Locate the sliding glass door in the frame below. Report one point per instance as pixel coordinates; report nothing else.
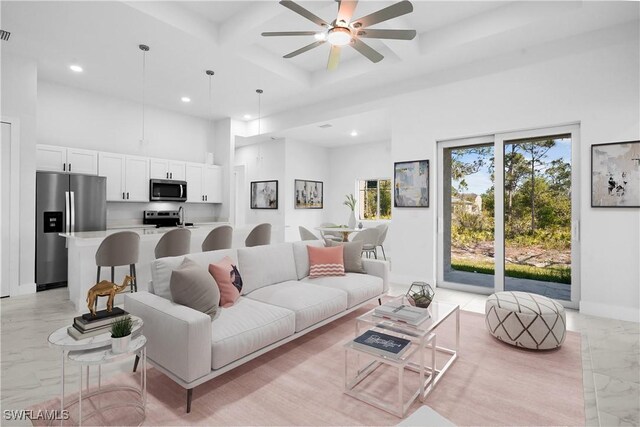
(508, 213)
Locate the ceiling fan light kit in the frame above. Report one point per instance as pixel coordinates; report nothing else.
(344, 31)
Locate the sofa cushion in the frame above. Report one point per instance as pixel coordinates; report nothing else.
(310, 303)
(161, 268)
(301, 256)
(228, 279)
(359, 287)
(352, 255)
(245, 327)
(326, 261)
(193, 286)
(266, 265)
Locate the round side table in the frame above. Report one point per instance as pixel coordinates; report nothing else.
(101, 356)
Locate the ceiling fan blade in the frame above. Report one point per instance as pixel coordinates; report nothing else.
(334, 58)
(390, 12)
(387, 34)
(346, 9)
(366, 50)
(303, 12)
(289, 33)
(304, 49)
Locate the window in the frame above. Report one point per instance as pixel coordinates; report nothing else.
(374, 196)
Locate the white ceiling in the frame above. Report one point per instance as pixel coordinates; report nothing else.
(186, 38)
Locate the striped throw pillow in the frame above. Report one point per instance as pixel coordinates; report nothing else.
(326, 261)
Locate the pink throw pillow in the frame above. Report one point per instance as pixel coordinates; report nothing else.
(326, 261)
(229, 282)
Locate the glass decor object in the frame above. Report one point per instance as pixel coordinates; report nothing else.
(420, 294)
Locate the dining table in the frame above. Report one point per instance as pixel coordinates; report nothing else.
(345, 231)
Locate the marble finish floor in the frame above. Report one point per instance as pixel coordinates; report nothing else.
(30, 370)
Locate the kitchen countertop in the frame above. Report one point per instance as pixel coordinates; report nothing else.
(145, 232)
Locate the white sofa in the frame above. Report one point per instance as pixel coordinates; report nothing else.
(278, 303)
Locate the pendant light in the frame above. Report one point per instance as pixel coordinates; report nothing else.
(144, 48)
(259, 92)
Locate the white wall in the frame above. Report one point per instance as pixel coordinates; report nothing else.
(308, 162)
(600, 89)
(19, 92)
(265, 162)
(76, 118)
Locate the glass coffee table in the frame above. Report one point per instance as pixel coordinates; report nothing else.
(420, 358)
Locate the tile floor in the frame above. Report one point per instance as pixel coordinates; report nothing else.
(30, 369)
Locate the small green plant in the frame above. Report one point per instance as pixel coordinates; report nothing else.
(350, 202)
(121, 327)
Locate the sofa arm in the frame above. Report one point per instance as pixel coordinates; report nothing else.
(379, 268)
(178, 337)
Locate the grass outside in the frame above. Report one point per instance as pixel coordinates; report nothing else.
(544, 274)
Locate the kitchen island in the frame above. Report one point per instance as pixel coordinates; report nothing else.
(83, 246)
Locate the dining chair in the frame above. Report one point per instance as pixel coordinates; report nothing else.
(369, 239)
(260, 235)
(382, 229)
(174, 243)
(331, 235)
(218, 238)
(305, 234)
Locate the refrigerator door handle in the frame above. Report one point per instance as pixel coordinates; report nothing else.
(66, 212)
(73, 210)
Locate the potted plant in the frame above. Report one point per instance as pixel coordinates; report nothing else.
(420, 294)
(350, 202)
(121, 334)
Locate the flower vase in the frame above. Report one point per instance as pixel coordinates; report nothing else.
(120, 345)
(352, 220)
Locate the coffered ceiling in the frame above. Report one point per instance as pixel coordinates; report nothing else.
(186, 38)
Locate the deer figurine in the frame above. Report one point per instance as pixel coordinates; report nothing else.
(105, 289)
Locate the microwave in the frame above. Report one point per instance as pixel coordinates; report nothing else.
(167, 190)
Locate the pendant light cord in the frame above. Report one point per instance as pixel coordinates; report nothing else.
(144, 49)
(259, 92)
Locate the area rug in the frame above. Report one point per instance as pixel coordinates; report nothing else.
(301, 383)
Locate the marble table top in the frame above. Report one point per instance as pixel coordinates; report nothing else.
(61, 340)
(99, 356)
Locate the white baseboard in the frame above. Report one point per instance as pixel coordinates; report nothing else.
(630, 314)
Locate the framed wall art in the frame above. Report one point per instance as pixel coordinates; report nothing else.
(411, 184)
(264, 195)
(615, 175)
(308, 194)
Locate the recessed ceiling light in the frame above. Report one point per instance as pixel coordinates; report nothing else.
(247, 116)
(75, 68)
(354, 133)
(185, 99)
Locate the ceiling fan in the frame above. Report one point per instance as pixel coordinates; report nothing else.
(347, 31)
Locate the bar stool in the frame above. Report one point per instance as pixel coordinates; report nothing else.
(218, 238)
(174, 243)
(119, 249)
(260, 235)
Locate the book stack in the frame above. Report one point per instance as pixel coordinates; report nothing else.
(402, 313)
(87, 326)
(382, 344)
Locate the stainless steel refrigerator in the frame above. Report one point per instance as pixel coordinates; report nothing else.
(65, 203)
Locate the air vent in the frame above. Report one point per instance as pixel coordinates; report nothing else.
(326, 125)
(4, 35)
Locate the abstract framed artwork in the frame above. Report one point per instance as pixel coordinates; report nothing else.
(615, 175)
(308, 194)
(411, 180)
(264, 195)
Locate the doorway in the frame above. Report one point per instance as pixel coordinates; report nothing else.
(508, 213)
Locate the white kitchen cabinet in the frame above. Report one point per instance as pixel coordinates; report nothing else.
(212, 184)
(193, 176)
(52, 158)
(166, 169)
(204, 183)
(127, 177)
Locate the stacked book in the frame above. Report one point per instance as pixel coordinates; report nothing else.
(87, 325)
(402, 313)
(382, 344)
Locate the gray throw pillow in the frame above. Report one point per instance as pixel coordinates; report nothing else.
(193, 286)
(352, 256)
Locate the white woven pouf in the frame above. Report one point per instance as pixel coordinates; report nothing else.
(526, 320)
